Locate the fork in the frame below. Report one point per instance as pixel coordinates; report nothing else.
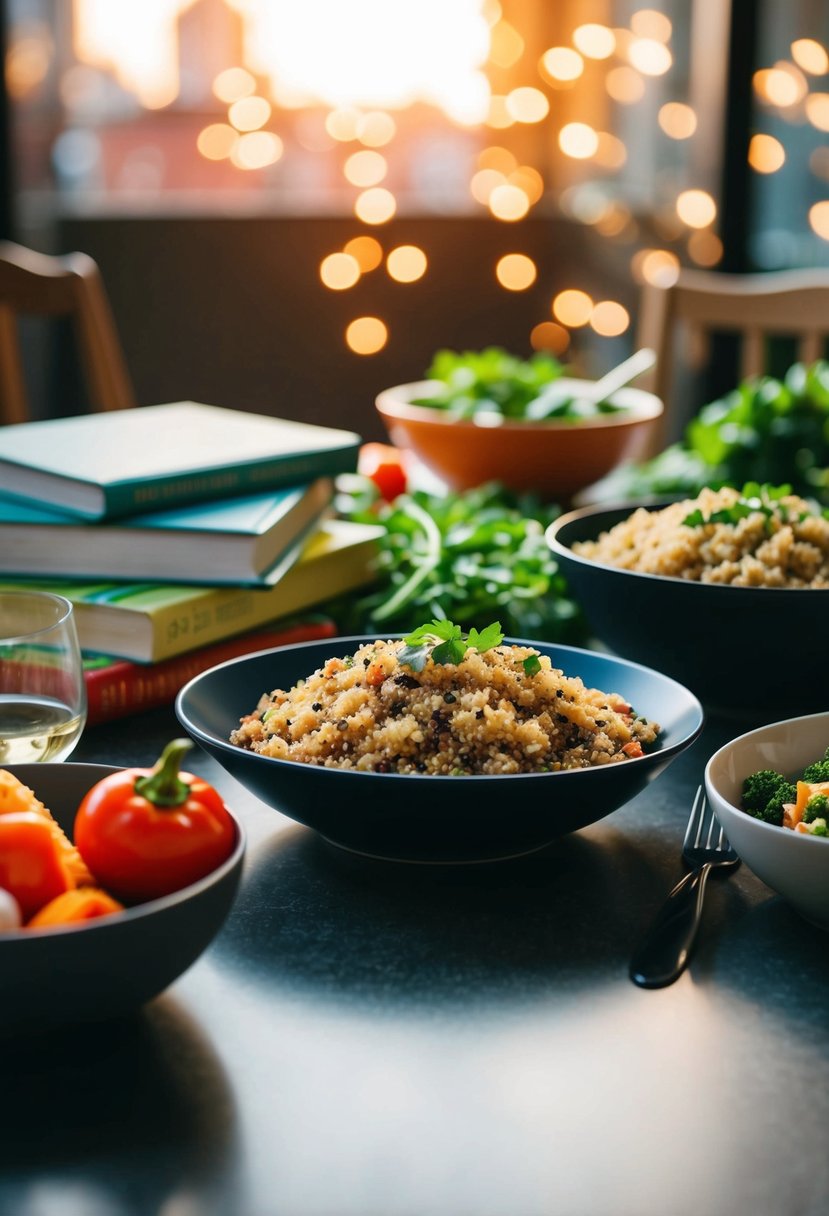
(664, 952)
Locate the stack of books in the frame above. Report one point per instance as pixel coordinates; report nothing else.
(184, 534)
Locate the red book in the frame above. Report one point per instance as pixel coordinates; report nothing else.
(116, 688)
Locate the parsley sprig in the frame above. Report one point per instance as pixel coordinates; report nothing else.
(446, 643)
(754, 499)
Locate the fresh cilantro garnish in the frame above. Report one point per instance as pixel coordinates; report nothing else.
(446, 643)
(754, 498)
(531, 665)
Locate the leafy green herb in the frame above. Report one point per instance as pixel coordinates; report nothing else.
(754, 499)
(465, 557)
(446, 643)
(490, 381)
(767, 430)
(532, 665)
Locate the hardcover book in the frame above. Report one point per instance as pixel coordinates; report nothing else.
(116, 688)
(234, 540)
(148, 622)
(100, 466)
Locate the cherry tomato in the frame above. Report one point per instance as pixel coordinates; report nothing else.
(147, 832)
(385, 465)
(31, 867)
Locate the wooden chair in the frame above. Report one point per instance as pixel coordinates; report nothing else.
(37, 284)
(756, 307)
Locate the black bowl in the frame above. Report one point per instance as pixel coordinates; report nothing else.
(431, 818)
(112, 965)
(745, 651)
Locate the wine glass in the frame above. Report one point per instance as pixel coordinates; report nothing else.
(42, 690)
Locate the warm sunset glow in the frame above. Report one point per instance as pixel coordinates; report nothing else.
(817, 110)
(677, 120)
(249, 113)
(375, 206)
(527, 105)
(233, 84)
(561, 64)
(609, 319)
(810, 56)
(696, 208)
(578, 140)
(366, 335)
(625, 85)
(508, 203)
(406, 264)
(366, 251)
(648, 23)
(141, 53)
(256, 150)
(650, 57)
(339, 271)
(594, 41)
(549, 336)
(516, 271)
(766, 154)
(217, 141)
(572, 308)
(365, 168)
(819, 219)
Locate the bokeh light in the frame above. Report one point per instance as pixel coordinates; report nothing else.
(766, 154)
(648, 23)
(366, 335)
(498, 116)
(594, 41)
(256, 150)
(376, 129)
(572, 308)
(657, 266)
(561, 65)
(817, 110)
(705, 248)
(783, 85)
(217, 141)
(609, 318)
(516, 271)
(810, 56)
(528, 179)
(611, 152)
(650, 57)
(233, 84)
(339, 271)
(482, 183)
(578, 140)
(625, 85)
(506, 46)
(550, 337)
(527, 104)
(365, 168)
(375, 206)
(509, 203)
(406, 263)
(366, 251)
(677, 120)
(819, 218)
(696, 208)
(500, 159)
(249, 113)
(343, 124)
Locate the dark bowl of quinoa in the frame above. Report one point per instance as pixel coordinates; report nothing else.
(429, 817)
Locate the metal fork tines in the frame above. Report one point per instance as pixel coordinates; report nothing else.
(665, 951)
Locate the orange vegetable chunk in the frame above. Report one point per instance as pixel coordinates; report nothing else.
(86, 903)
(32, 867)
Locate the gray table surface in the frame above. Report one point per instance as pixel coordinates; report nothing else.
(371, 1039)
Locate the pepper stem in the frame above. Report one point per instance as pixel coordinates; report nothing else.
(163, 786)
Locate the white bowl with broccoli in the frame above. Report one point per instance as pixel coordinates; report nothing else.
(770, 790)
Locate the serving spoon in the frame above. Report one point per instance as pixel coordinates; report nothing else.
(591, 393)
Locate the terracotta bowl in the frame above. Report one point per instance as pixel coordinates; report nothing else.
(554, 459)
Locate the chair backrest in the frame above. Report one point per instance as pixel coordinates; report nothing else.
(756, 307)
(37, 284)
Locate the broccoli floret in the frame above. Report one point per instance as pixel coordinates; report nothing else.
(816, 808)
(772, 812)
(819, 771)
(819, 828)
(759, 787)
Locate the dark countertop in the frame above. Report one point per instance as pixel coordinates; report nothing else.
(372, 1039)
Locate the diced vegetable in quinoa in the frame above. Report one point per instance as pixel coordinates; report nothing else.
(801, 805)
(439, 702)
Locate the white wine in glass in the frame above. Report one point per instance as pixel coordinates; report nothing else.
(42, 691)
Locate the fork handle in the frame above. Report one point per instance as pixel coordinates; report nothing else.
(664, 953)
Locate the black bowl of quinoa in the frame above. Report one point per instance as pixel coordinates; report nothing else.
(489, 758)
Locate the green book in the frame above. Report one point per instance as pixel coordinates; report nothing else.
(101, 466)
(148, 622)
(233, 540)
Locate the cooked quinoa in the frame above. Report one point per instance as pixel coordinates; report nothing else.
(483, 715)
(787, 548)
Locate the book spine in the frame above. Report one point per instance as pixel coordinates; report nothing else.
(123, 688)
(128, 497)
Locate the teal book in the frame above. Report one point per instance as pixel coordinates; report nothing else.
(235, 540)
(149, 622)
(102, 466)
